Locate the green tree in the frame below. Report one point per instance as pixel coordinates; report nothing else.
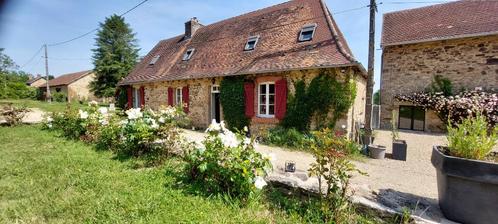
(115, 55)
(6, 63)
(377, 97)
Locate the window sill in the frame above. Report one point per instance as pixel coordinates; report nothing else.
(266, 116)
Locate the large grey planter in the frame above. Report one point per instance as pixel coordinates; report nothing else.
(467, 189)
(377, 151)
(399, 150)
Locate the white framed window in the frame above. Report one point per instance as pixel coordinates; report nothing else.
(215, 89)
(266, 99)
(154, 59)
(178, 96)
(136, 98)
(307, 32)
(188, 54)
(251, 43)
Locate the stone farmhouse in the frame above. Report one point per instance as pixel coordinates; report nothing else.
(74, 85)
(271, 47)
(37, 81)
(456, 40)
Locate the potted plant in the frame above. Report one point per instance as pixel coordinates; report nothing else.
(399, 146)
(377, 151)
(467, 172)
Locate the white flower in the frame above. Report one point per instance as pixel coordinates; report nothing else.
(103, 122)
(159, 141)
(229, 139)
(259, 182)
(246, 129)
(201, 149)
(161, 120)
(154, 125)
(103, 110)
(93, 103)
(271, 156)
(123, 122)
(83, 114)
(213, 126)
(49, 125)
(134, 113)
(49, 119)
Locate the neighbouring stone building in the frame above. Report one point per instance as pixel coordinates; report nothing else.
(456, 40)
(37, 81)
(74, 85)
(272, 48)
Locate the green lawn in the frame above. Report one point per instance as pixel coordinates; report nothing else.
(43, 105)
(45, 179)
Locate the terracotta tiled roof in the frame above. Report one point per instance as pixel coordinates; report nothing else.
(219, 47)
(67, 79)
(30, 81)
(443, 21)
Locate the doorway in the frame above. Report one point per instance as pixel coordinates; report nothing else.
(215, 103)
(411, 118)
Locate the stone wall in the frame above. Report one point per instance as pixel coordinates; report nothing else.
(467, 62)
(156, 95)
(80, 89)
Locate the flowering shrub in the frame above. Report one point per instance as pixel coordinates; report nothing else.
(333, 170)
(459, 107)
(228, 163)
(140, 133)
(470, 139)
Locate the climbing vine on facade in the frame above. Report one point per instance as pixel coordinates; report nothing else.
(232, 101)
(323, 95)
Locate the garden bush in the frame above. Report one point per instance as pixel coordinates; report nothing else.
(232, 101)
(472, 139)
(146, 134)
(291, 138)
(227, 163)
(334, 171)
(59, 97)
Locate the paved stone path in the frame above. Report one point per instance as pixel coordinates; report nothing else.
(394, 184)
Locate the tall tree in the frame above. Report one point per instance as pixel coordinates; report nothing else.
(115, 55)
(6, 63)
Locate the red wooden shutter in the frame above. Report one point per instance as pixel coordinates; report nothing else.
(249, 98)
(129, 94)
(280, 98)
(170, 96)
(142, 96)
(185, 98)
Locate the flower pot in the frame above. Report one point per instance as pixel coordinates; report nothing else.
(377, 151)
(399, 150)
(467, 189)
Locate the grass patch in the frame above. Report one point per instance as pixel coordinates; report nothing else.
(43, 105)
(46, 179)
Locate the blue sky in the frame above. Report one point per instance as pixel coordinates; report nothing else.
(26, 24)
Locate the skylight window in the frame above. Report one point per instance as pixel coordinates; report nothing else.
(307, 32)
(188, 54)
(251, 43)
(154, 59)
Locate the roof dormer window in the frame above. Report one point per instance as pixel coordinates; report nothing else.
(154, 59)
(307, 32)
(188, 54)
(251, 43)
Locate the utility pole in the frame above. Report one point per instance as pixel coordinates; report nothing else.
(47, 95)
(370, 73)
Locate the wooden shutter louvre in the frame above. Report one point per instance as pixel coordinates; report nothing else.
(129, 94)
(170, 96)
(142, 96)
(249, 99)
(280, 98)
(185, 98)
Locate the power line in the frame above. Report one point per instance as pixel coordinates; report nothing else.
(32, 57)
(93, 30)
(416, 2)
(69, 59)
(350, 10)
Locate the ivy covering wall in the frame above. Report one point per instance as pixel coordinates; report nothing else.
(232, 101)
(324, 94)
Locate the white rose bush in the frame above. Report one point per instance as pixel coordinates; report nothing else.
(227, 162)
(134, 133)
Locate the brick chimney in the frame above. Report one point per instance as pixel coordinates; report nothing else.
(191, 26)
